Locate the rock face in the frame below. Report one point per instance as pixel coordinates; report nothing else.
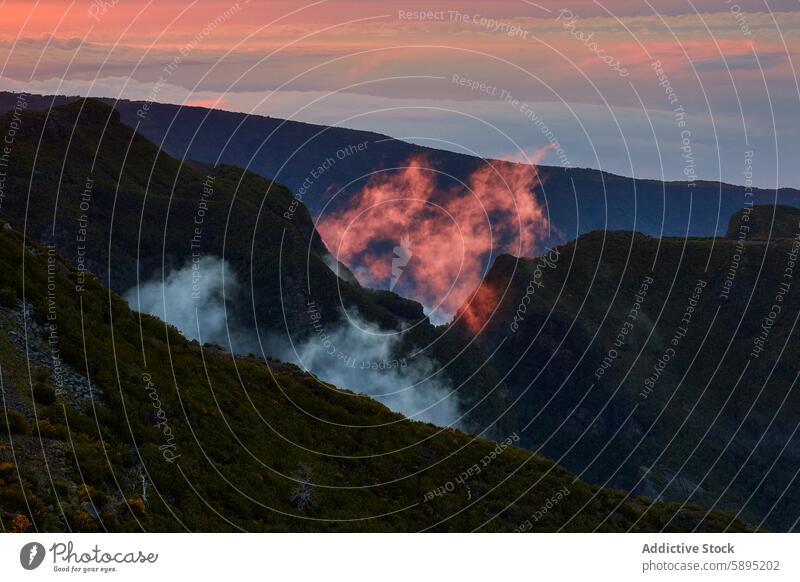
(39, 346)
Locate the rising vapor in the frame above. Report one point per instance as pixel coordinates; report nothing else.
(193, 300)
(364, 358)
(355, 355)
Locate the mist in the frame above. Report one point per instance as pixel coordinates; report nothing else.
(193, 300)
(364, 358)
(347, 352)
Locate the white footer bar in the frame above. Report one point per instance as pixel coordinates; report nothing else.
(389, 557)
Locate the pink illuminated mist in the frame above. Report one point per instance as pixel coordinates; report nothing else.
(450, 232)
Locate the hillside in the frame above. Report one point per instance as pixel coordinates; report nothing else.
(116, 206)
(764, 223)
(660, 366)
(290, 152)
(114, 422)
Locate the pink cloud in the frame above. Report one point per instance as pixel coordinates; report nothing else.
(452, 232)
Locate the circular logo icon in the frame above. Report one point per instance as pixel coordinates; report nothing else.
(31, 555)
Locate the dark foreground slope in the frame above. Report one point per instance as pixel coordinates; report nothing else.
(290, 151)
(131, 427)
(666, 367)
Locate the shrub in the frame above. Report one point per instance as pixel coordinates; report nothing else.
(8, 298)
(12, 498)
(12, 421)
(91, 459)
(44, 394)
(99, 498)
(85, 492)
(137, 506)
(48, 430)
(83, 521)
(20, 524)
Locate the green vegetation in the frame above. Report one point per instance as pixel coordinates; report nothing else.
(253, 445)
(13, 422)
(686, 397)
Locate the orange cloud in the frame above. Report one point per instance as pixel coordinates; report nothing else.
(452, 231)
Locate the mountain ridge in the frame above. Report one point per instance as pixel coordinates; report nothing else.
(289, 151)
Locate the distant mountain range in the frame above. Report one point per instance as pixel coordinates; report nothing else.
(577, 200)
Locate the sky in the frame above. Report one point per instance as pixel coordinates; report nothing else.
(625, 86)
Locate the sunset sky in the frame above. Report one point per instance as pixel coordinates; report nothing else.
(499, 79)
